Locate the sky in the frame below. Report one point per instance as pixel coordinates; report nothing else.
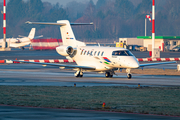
(64, 2)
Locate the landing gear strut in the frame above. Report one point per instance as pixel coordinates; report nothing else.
(78, 74)
(22, 48)
(129, 76)
(109, 74)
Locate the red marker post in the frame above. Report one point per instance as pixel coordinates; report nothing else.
(104, 104)
(153, 28)
(4, 25)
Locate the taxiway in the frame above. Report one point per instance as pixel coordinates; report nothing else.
(37, 75)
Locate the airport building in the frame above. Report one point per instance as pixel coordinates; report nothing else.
(164, 43)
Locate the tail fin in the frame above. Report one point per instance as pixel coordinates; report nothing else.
(67, 34)
(32, 33)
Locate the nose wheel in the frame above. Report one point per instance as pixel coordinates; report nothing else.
(129, 76)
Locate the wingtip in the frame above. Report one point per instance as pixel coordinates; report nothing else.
(28, 22)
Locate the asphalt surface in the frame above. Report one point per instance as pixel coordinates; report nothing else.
(30, 74)
(29, 113)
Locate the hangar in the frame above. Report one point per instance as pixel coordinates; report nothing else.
(164, 43)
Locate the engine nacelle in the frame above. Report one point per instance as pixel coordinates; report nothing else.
(66, 51)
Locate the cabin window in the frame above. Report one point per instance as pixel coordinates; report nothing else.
(91, 53)
(122, 53)
(88, 53)
(81, 52)
(85, 52)
(95, 53)
(98, 53)
(102, 53)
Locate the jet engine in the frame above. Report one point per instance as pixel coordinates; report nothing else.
(66, 51)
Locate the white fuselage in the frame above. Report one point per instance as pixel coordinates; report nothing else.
(17, 42)
(105, 58)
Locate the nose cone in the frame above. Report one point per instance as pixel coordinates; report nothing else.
(132, 63)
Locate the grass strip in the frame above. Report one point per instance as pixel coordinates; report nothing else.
(147, 100)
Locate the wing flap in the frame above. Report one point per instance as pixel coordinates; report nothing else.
(59, 65)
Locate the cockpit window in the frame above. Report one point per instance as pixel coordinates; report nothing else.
(122, 53)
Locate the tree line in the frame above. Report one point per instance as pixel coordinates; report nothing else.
(112, 18)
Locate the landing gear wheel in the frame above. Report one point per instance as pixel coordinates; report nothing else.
(22, 48)
(81, 74)
(129, 76)
(107, 74)
(78, 74)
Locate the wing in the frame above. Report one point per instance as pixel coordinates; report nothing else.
(159, 63)
(59, 65)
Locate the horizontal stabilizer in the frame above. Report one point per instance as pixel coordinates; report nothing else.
(61, 24)
(45, 23)
(38, 36)
(21, 36)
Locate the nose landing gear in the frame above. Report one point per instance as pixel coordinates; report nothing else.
(129, 76)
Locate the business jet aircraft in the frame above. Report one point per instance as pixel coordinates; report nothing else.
(92, 58)
(20, 42)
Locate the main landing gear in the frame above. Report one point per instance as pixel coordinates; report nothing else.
(129, 76)
(109, 74)
(78, 74)
(22, 48)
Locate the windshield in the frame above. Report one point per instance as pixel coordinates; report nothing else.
(122, 53)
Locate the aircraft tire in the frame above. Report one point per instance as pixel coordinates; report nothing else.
(129, 76)
(22, 48)
(78, 75)
(107, 74)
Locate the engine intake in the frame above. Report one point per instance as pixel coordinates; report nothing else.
(66, 51)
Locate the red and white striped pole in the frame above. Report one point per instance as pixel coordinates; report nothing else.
(153, 28)
(4, 25)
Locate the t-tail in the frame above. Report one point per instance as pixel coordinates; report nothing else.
(67, 34)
